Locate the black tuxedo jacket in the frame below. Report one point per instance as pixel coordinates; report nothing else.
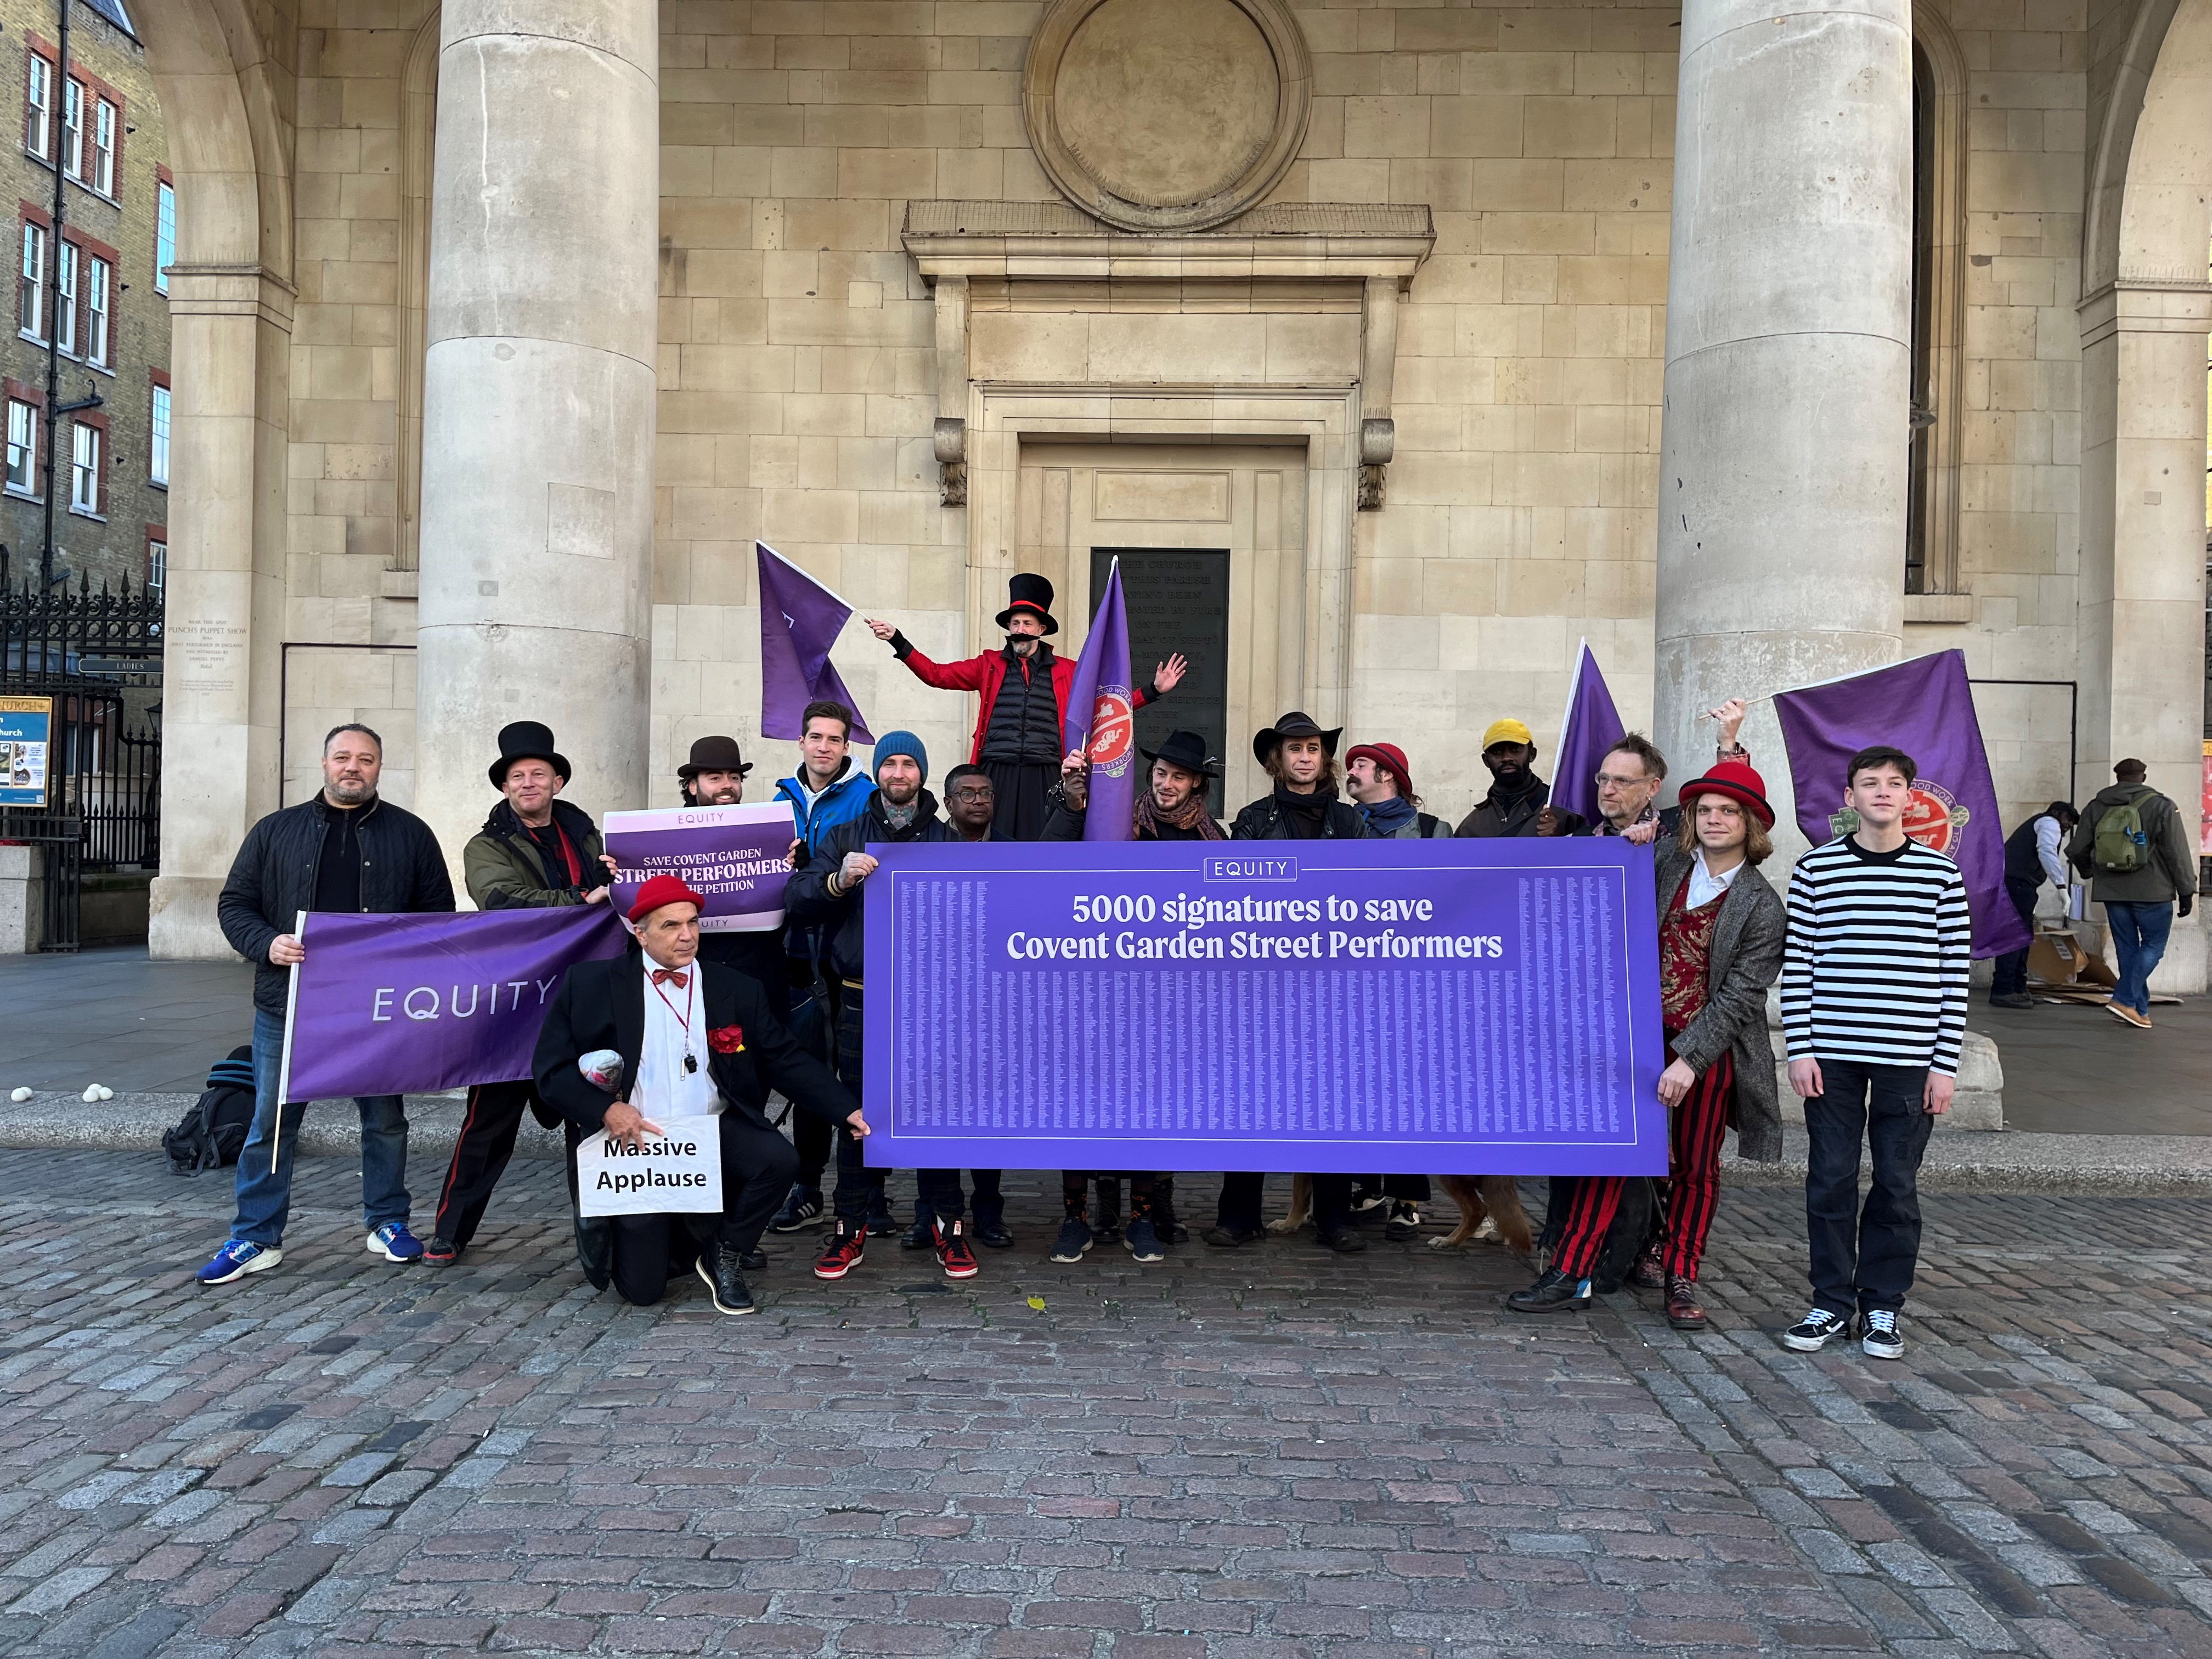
(601, 1005)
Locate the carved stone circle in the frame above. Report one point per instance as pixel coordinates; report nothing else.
(1167, 115)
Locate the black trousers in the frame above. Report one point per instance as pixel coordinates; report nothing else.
(757, 1164)
(1020, 789)
(481, 1152)
(937, 1191)
(1863, 1258)
(813, 1019)
(1241, 1191)
(857, 1186)
(2010, 976)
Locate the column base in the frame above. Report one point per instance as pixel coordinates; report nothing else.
(180, 923)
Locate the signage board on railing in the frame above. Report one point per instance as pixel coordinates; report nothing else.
(26, 738)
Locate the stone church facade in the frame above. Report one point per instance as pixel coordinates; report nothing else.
(1396, 348)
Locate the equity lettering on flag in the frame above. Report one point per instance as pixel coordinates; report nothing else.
(1102, 718)
(1588, 731)
(801, 620)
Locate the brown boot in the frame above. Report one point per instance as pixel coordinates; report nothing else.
(1647, 1274)
(1683, 1312)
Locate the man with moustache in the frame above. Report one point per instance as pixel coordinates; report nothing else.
(535, 852)
(696, 1041)
(1023, 688)
(1519, 802)
(1381, 782)
(715, 776)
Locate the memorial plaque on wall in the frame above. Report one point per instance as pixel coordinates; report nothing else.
(1178, 600)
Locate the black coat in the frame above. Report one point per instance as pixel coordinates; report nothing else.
(844, 916)
(601, 1005)
(272, 879)
(1497, 815)
(1066, 824)
(1265, 820)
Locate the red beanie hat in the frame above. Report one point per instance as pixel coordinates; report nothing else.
(662, 890)
(1390, 757)
(1735, 779)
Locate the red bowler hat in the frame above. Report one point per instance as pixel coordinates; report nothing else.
(1735, 779)
(663, 889)
(1390, 758)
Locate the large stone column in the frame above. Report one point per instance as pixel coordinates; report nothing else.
(537, 418)
(1783, 470)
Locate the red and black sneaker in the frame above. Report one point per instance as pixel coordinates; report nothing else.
(441, 1252)
(954, 1253)
(842, 1254)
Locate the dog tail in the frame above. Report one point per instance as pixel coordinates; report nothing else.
(1501, 1196)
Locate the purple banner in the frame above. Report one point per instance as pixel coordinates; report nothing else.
(1925, 707)
(801, 620)
(1443, 1007)
(415, 1003)
(1102, 718)
(1588, 731)
(735, 858)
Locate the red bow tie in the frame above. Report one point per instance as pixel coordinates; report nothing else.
(662, 975)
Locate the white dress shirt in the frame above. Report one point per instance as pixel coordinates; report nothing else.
(2048, 834)
(665, 1090)
(1705, 885)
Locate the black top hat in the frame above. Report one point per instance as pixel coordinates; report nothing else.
(1187, 751)
(713, 755)
(1295, 724)
(526, 740)
(1031, 593)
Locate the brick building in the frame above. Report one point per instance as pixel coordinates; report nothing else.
(101, 292)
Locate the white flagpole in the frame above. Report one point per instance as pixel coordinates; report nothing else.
(1574, 691)
(284, 1069)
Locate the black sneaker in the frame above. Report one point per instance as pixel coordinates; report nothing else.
(1234, 1238)
(441, 1252)
(595, 1249)
(753, 1262)
(1815, 1331)
(1368, 1206)
(1170, 1231)
(1879, 1338)
(1344, 1240)
(802, 1209)
(1404, 1222)
(1142, 1242)
(1552, 1292)
(1075, 1239)
(2011, 999)
(719, 1269)
(881, 1223)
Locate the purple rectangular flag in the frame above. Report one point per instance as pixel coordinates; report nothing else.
(799, 622)
(414, 1004)
(1102, 718)
(735, 858)
(1925, 707)
(1588, 731)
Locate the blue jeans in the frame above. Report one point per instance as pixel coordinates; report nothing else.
(2139, 935)
(265, 1198)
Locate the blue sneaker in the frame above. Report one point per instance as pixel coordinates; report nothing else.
(395, 1243)
(237, 1258)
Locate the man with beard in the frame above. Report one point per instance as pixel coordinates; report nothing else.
(1518, 803)
(535, 852)
(1023, 688)
(1172, 807)
(1380, 780)
(832, 891)
(715, 776)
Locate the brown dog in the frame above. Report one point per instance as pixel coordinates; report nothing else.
(1496, 1199)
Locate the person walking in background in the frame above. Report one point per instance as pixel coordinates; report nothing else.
(2133, 844)
(346, 851)
(2034, 853)
(1874, 1004)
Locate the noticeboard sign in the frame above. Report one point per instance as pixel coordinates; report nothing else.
(26, 739)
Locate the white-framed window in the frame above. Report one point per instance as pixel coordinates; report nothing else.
(157, 567)
(39, 108)
(73, 127)
(103, 148)
(96, 331)
(23, 447)
(165, 234)
(157, 451)
(84, 468)
(65, 299)
(31, 312)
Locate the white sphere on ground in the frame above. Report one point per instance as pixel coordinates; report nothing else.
(105, 1093)
(20, 1096)
(92, 1094)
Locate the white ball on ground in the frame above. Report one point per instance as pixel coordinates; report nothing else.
(92, 1094)
(105, 1093)
(20, 1096)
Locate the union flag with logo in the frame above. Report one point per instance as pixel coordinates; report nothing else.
(1102, 718)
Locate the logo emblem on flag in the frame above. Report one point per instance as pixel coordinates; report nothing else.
(1113, 731)
(1933, 816)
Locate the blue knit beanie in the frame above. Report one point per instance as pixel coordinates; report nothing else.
(900, 743)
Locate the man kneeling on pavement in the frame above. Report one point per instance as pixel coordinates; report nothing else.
(695, 1040)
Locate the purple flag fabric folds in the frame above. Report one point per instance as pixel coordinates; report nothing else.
(1102, 718)
(1925, 707)
(1588, 731)
(799, 622)
(399, 1004)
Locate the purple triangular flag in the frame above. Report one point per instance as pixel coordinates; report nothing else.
(799, 622)
(1588, 732)
(1102, 718)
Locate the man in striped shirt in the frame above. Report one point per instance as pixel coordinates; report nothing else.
(1873, 1005)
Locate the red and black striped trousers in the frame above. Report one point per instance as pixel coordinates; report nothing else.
(1694, 1131)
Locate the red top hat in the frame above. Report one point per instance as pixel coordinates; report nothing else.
(1735, 779)
(659, 890)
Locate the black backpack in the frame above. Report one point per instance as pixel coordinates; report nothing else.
(214, 1131)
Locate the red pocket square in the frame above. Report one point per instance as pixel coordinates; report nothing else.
(726, 1039)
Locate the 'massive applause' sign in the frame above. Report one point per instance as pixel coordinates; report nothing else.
(1440, 1006)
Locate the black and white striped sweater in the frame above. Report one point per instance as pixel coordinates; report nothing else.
(1880, 948)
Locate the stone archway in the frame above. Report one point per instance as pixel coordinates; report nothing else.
(226, 91)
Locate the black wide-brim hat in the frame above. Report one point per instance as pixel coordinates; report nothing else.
(1187, 751)
(526, 740)
(1032, 594)
(716, 753)
(1295, 724)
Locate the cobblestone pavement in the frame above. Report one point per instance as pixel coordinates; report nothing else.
(1256, 1455)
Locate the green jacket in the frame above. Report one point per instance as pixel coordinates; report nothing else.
(2172, 872)
(504, 871)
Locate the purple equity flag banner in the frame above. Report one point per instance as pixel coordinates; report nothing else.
(735, 858)
(414, 1004)
(1925, 707)
(1588, 731)
(799, 622)
(1441, 1007)
(1102, 718)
